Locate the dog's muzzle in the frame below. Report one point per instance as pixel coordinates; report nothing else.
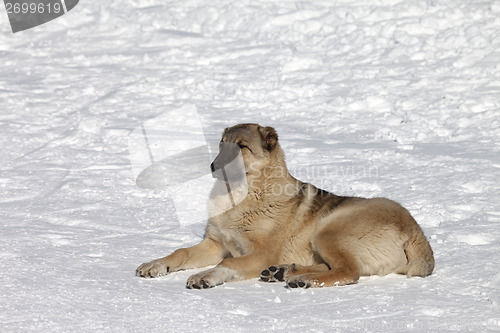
(228, 166)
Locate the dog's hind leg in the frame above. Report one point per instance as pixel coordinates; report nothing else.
(343, 271)
(343, 267)
(323, 279)
(280, 273)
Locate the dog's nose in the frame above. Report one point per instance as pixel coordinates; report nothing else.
(216, 170)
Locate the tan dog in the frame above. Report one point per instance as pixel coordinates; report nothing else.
(287, 230)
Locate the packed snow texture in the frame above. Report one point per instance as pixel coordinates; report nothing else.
(393, 98)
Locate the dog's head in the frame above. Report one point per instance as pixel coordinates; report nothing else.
(255, 146)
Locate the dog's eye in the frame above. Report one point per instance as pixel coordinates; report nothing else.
(242, 146)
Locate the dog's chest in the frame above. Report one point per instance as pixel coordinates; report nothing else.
(239, 233)
(234, 242)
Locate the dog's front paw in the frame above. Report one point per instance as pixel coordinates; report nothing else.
(276, 273)
(203, 280)
(198, 283)
(153, 269)
(212, 277)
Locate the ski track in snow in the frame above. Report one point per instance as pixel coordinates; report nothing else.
(371, 98)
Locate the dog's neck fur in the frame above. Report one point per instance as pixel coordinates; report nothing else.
(274, 180)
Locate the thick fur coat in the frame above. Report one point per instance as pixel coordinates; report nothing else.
(291, 231)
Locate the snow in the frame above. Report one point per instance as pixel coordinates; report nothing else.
(392, 98)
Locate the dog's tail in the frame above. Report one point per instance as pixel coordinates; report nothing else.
(419, 254)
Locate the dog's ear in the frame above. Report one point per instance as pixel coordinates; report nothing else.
(269, 137)
(224, 132)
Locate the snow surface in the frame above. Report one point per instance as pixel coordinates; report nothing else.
(395, 98)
